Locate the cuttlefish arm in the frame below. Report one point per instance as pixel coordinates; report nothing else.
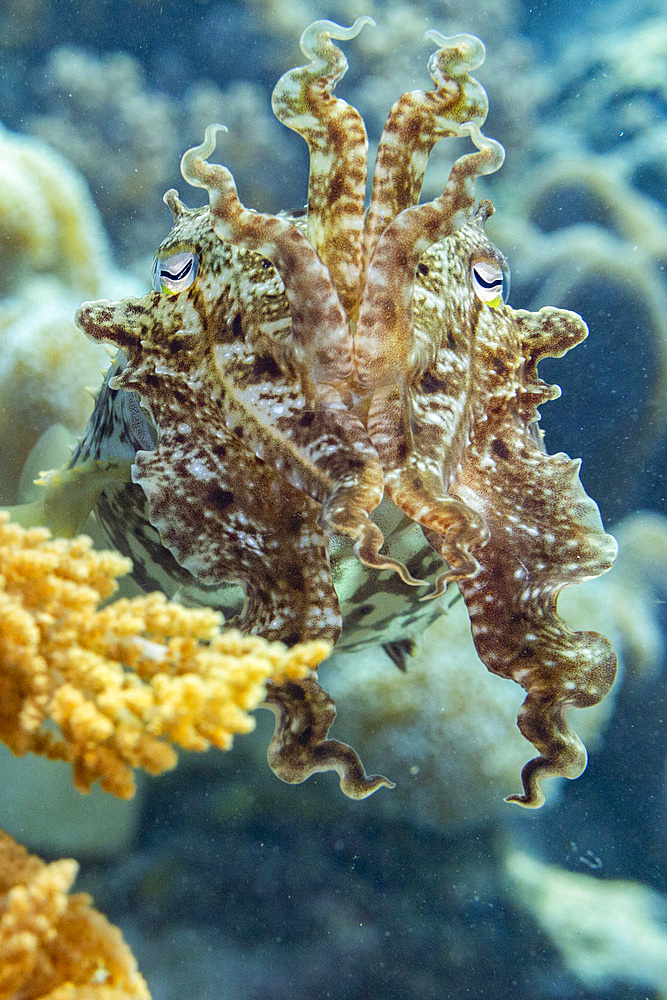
(545, 533)
(226, 515)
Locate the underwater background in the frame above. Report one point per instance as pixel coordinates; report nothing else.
(226, 883)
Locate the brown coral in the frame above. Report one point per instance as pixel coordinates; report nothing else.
(124, 682)
(54, 946)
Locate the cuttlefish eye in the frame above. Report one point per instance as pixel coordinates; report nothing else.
(174, 273)
(490, 282)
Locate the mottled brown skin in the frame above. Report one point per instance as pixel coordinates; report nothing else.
(299, 747)
(312, 367)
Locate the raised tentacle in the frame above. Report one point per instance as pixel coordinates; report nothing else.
(303, 101)
(416, 468)
(322, 450)
(175, 205)
(385, 328)
(417, 121)
(299, 746)
(349, 487)
(321, 332)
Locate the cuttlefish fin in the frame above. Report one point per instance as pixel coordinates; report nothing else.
(67, 496)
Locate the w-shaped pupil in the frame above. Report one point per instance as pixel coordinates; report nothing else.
(177, 275)
(495, 283)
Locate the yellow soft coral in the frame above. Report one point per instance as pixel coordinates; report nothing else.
(54, 946)
(110, 689)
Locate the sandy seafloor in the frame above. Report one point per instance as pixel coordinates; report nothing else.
(235, 887)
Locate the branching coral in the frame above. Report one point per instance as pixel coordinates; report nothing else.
(54, 946)
(53, 250)
(124, 682)
(126, 137)
(48, 222)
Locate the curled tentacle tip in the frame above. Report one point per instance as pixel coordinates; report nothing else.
(484, 211)
(431, 596)
(534, 771)
(205, 148)
(332, 30)
(533, 801)
(370, 557)
(210, 133)
(193, 159)
(494, 151)
(356, 28)
(359, 787)
(173, 202)
(471, 49)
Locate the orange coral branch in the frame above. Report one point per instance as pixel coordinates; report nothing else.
(125, 682)
(54, 946)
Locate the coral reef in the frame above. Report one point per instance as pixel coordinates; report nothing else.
(582, 235)
(48, 222)
(124, 682)
(584, 220)
(54, 946)
(44, 372)
(582, 224)
(126, 138)
(53, 251)
(636, 590)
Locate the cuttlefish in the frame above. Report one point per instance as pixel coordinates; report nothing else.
(326, 423)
